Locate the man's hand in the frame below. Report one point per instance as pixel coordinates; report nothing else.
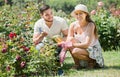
(44, 34)
(39, 37)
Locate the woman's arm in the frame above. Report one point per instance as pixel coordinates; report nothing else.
(70, 32)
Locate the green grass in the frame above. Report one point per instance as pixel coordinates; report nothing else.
(111, 69)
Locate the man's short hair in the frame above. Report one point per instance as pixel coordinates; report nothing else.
(43, 8)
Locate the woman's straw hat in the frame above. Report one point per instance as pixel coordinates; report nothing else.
(80, 7)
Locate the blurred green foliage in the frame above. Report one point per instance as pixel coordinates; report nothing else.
(21, 22)
(65, 5)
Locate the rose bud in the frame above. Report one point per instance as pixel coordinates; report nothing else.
(22, 64)
(18, 57)
(117, 12)
(26, 49)
(100, 4)
(8, 68)
(93, 12)
(23, 46)
(4, 50)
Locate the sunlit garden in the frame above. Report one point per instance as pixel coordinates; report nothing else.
(18, 56)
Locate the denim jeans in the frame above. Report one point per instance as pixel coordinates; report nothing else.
(38, 46)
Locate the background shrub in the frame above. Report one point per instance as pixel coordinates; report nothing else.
(108, 29)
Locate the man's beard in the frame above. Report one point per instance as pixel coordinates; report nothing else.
(48, 20)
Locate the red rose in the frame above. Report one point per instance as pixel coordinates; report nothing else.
(12, 35)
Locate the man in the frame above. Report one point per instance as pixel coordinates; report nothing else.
(48, 26)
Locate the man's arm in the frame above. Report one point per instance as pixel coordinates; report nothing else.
(38, 37)
(64, 29)
(65, 33)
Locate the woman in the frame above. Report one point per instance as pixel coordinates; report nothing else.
(83, 34)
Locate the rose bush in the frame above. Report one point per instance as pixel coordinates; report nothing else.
(18, 55)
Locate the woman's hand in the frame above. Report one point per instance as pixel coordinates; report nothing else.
(66, 44)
